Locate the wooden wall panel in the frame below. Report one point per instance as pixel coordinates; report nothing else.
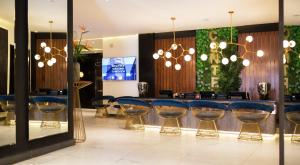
(261, 69)
(169, 78)
(54, 77)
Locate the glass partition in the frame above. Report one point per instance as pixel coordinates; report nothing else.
(7, 52)
(47, 68)
(291, 59)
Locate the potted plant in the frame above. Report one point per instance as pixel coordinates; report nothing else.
(78, 48)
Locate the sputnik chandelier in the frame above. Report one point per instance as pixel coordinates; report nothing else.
(288, 47)
(50, 53)
(167, 56)
(218, 47)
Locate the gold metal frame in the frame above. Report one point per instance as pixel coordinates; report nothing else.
(170, 125)
(250, 129)
(101, 112)
(207, 127)
(50, 119)
(10, 118)
(295, 136)
(134, 121)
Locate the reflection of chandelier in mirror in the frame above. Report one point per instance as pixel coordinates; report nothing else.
(288, 47)
(167, 55)
(218, 47)
(50, 53)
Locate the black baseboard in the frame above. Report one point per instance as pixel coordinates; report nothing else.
(36, 152)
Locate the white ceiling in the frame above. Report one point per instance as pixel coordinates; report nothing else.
(123, 17)
(106, 18)
(39, 14)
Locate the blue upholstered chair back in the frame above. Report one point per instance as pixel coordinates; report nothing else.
(250, 105)
(172, 103)
(132, 101)
(292, 108)
(49, 99)
(124, 97)
(207, 104)
(7, 98)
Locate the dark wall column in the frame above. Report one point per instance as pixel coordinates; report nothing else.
(146, 62)
(3, 60)
(21, 74)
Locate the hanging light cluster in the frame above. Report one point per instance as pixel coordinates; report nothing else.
(50, 53)
(288, 47)
(218, 47)
(186, 54)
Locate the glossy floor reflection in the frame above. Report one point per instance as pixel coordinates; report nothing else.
(7, 133)
(108, 144)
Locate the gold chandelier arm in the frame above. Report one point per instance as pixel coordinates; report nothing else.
(231, 14)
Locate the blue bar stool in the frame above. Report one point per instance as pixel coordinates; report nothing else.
(250, 114)
(50, 107)
(134, 110)
(207, 112)
(7, 103)
(101, 105)
(170, 111)
(292, 113)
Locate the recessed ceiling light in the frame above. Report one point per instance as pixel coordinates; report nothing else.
(296, 15)
(205, 19)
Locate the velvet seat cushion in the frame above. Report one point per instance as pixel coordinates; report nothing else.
(208, 115)
(51, 108)
(207, 104)
(252, 118)
(170, 114)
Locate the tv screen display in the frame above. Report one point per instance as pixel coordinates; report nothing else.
(119, 68)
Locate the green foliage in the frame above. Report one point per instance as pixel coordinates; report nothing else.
(228, 75)
(203, 68)
(293, 71)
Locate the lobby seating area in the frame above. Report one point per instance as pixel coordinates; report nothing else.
(139, 82)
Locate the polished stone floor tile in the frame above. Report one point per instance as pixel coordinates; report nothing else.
(109, 144)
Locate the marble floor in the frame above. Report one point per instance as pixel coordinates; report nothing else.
(108, 144)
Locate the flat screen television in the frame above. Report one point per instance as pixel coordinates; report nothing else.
(119, 68)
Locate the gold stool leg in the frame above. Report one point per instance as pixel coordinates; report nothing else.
(250, 131)
(10, 118)
(207, 128)
(295, 138)
(101, 112)
(134, 122)
(170, 126)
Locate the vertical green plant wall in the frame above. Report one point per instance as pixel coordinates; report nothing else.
(293, 71)
(228, 75)
(203, 68)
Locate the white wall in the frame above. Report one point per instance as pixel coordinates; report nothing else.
(121, 47)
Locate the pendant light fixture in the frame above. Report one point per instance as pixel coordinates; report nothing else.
(50, 53)
(169, 57)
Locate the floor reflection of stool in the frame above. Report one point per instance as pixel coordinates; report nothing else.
(135, 110)
(171, 112)
(207, 112)
(292, 113)
(7, 103)
(250, 114)
(50, 107)
(101, 105)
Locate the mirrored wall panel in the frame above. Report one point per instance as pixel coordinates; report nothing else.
(291, 59)
(7, 54)
(47, 67)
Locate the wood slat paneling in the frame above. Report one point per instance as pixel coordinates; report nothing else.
(54, 77)
(261, 69)
(168, 78)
